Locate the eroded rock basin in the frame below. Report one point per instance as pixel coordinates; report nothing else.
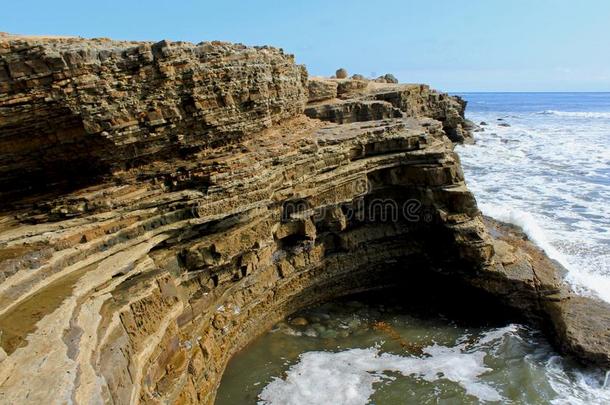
(225, 190)
(381, 348)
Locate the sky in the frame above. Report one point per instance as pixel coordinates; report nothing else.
(456, 46)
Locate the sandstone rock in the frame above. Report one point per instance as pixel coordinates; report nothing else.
(582, 327)
(320, 89)
(341, 73)
(300, 321)
(578, 325)
(343, 112)
(75, 109)
(387, 78)
(222, 209)
(410, 99)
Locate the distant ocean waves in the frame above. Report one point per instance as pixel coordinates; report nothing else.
(576, 114)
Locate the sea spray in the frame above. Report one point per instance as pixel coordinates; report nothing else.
(549, 172)
(365, 364)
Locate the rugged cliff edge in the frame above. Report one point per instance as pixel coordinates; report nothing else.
(163, 204)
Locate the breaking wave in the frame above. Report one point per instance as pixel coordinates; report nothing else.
(549, 172)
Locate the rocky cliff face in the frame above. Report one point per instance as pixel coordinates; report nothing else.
(350, 100)
(74, 109)
(217, 208)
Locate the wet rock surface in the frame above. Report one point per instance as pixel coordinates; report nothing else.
(221, 209)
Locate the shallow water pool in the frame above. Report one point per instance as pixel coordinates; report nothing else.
(363, 352)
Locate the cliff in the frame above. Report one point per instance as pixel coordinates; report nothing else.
(73, 110)
(166, 203)
(349, 100)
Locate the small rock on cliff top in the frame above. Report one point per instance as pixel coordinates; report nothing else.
(387, 78)
(341, 73)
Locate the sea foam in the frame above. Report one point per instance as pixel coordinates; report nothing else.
(351, 377)
(551, 177)
(348, 377)
(577, 114)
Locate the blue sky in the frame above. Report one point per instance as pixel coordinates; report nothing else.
(474, 45)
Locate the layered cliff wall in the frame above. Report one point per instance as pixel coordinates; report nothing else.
(350, 100)
(73, 109)
(139, 283)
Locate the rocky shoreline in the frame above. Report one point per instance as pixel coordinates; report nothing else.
(165, 203)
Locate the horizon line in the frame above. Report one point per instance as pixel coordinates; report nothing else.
(526, 91)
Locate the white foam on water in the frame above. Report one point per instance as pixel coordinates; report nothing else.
(349, 377)
(492, 336)
(551, 177)
(582, 388)
(529, 225)
(577, 114)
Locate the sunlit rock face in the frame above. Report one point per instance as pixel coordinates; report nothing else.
(349, 100)
(164, 204)
(74, 108)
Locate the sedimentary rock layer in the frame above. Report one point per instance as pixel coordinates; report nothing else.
(71, 108)
(350, 100)
(140, 286)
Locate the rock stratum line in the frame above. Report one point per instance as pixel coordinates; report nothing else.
(165, 203)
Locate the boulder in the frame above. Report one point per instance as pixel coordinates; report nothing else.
(387, 78)
(341, 73)
(348, 88)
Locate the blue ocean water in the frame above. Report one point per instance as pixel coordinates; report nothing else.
(543, 162)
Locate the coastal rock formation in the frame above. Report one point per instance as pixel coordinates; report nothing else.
(71, 112)
(387, 78)
(361, 99)
(321, 89)
(176, 243)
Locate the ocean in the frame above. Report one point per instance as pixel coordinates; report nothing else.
(541, 161)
